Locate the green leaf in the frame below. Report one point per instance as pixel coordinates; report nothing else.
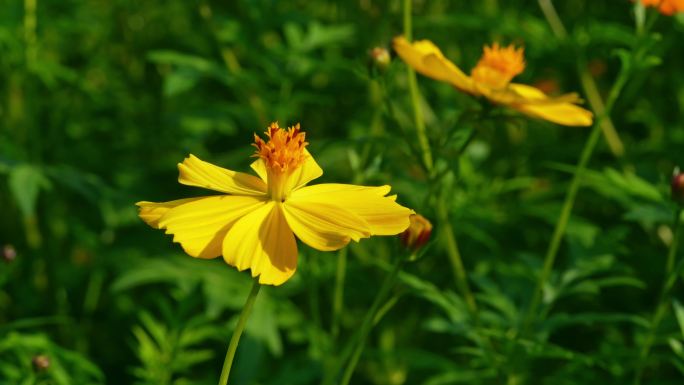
(25, 182)
(679, 313)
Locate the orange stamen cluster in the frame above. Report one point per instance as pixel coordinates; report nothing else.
(666, 7)
(285, 149)
(498, 65)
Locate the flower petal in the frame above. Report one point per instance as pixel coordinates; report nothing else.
(201, 224)
(324, 226)
(566, 114)
(150, 212)
(533, 102)
(263, 242)
(427, 59)
(260, 168)
(383, 215)
(196, 172)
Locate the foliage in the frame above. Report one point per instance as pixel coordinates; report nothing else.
(99, 100)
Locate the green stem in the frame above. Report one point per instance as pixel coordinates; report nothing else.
(603, 115)
(235, 339)
(675, 242)
(415, 96)
(588, 83)
(661, 309)
(338, 295)
(457, 262)
(562, 223)
(367, 324)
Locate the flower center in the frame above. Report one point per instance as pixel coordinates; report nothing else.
(498, 65)
(283, 153)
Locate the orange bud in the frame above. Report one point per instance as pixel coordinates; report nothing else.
(418, 232)
(40, 363)
(380, 57)
(678, 187)
(9, 253)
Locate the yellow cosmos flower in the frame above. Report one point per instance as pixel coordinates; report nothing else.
(491, 78)
(253, 222)
(666, 7)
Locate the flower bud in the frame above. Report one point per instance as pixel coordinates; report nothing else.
(678, 187)
(9, 253)
(40, 363)
(418, 232)
(380, 57)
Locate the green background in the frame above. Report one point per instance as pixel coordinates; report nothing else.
(100, 99)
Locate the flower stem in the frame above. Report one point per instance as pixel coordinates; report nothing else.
(338, 295)
(603, 115)
(235, 339)
(675, 242)
(367, 324)
(563, 219)
(415, 96)
(661, 310)
(612, 138)
(457, 263)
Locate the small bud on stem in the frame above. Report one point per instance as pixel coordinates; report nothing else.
(418, 232)
(678, 187)
(9, 253)
(40, 363)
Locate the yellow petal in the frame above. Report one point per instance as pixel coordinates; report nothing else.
(427, 59)
(260, 168)
(534, 95)
(196, 172)
(324, 226)
(201, 224)
(533, 102)
(150, 212)
(263, 242)
(383, 215)
(563, 113)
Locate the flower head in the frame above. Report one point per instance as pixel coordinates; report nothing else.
(666, 7)
(498, 66)
(491, 78)
(254, 222)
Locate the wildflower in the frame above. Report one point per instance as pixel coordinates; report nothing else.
(418, 233)
(253, 222)
(678, 187)
(40, 363)
(491, 78)
(380, 57)
(666, 7)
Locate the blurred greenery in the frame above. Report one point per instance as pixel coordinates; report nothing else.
(100, 99)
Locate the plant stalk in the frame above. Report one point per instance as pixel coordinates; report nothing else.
(235, 339)
(415, 97)
(367, 324)
(663, 303)
(603, 115)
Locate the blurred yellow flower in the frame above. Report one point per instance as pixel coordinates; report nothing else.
(253, 222)
(666, 7)
(491, 78)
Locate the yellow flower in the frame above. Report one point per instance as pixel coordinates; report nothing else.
(491, 78)
(253, 222)
(666, 7)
